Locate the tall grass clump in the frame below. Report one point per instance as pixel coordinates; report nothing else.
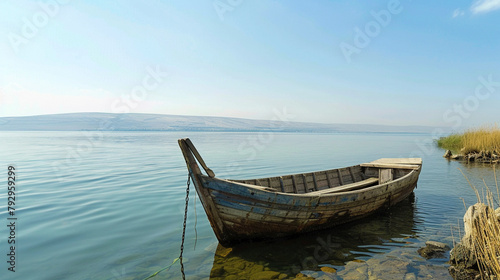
(485, 235)
(486, 241)
(484, 139)
(453, 142)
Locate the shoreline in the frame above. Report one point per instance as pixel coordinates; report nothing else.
(473, 157)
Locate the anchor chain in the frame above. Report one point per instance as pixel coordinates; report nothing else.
(184, 227)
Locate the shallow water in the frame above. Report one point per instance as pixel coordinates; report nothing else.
(110, 205)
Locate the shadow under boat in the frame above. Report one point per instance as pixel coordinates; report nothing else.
(358, 240)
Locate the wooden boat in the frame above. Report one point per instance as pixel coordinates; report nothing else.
(279, 206)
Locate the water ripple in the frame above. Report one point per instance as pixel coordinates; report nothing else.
(115, 211)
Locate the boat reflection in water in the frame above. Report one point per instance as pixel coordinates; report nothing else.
(323, 251)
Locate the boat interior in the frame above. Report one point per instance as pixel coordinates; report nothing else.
(328, 181)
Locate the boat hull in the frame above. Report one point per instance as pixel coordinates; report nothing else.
(246, 213)
(265, 208)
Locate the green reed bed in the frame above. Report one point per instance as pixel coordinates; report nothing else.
(484, 139)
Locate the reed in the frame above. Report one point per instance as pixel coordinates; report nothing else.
(486, 241)
(485, 139)
(453, 142)
(485, 235)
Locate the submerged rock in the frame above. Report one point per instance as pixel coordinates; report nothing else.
(328, 269)
(301, 276)
(439, 245)
(217, 271)
(457, 157)
(376, 269)
(265, 275)
(433, 250)
(223, 251)
(410, 276)
(387, 269)
(463, 274)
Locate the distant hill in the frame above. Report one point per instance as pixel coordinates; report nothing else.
(157, 122)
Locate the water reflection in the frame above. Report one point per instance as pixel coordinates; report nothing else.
(479, 168)
(333, 248)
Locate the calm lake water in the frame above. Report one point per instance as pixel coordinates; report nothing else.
(111, 205)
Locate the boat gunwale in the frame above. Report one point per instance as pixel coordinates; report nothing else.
(328, 170)
(311, 194)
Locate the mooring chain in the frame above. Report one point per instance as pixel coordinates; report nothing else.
(184, 227)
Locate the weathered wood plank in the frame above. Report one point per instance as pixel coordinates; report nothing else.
(208, 204)
(295, 212)
(348, 187)
(411, 161)
(294, 184)
(304, 178)
(385, 175)
(358, 173)
(352, 175)
(390, 165)
(287, 181)
(328, 179)
(341, 180)
(261, 214)
(315, 182)
(282, 185)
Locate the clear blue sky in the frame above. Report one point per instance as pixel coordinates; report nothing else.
(373, 62)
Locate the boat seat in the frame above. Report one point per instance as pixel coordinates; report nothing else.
(345, 188)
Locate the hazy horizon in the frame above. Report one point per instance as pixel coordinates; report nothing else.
(97, 121)
(290, 118)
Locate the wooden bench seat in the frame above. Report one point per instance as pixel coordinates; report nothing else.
(391, 166)
(398, 163)
(348, 187)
